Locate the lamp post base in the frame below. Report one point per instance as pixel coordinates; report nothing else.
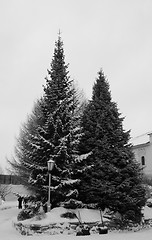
(48, 207)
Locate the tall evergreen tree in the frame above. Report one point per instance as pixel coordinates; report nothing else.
(52, 132)
(114, 180)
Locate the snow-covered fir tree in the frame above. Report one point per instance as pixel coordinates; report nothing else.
(114, 180)
(53, 132)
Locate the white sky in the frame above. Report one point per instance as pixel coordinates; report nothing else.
(113, 35)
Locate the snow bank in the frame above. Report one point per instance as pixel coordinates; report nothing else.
(147, 213)
(54, 216)
(7, 232)
(7, 205)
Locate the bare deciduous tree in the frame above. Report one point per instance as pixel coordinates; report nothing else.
(4, 191)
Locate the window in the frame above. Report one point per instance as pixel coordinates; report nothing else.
(143, 160)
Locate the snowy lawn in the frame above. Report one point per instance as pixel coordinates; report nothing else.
(9, 211)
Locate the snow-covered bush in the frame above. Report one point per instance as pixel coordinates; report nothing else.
(29, 212)
(122, 222)
(73, 204)
(82, 230)
(69, 215)
(149, 202)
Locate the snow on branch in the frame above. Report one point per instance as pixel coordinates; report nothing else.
(70, 182)
(35, 145)
(33, 166)
(80, 158)
(47, 142)
(72, 193)
(86, 168)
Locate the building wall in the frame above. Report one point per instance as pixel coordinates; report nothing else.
(143, 154)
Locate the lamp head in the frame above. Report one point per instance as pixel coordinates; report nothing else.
(50, 165)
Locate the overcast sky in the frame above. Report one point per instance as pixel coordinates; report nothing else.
(115, 35)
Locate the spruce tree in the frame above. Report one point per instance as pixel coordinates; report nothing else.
(52, 133)
(114, 180)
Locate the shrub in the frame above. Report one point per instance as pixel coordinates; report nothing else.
(29, 212)
(82, 230)
(73, 204)
(70, 215)
(119, 221)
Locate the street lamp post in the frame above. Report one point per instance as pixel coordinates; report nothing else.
(50, 167)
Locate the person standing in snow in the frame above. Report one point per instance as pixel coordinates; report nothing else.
(20, 199)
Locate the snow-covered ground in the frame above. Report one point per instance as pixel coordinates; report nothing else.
(9, 211)
(16, 189)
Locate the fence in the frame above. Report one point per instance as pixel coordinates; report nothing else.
(10, 179)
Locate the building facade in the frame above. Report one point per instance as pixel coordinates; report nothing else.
(142, 148)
